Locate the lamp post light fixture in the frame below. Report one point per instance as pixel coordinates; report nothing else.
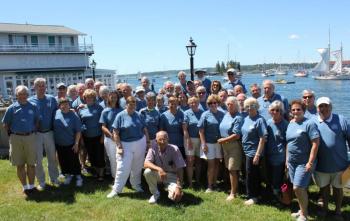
(191, 50)
(93, 66)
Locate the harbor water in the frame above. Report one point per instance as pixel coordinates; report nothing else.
(337, 91)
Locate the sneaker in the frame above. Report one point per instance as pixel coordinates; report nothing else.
(302, 218)
(55, 183)
(41, 187)
(61, 178)
(230, 197)
(296, 215)
(112, 194)
(68, 179)
(251, 201)
(209, 190)
(154, 198)
(79, 181)
(84, 171)
(138, 189)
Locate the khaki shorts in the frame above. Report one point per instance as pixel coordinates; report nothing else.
(324, 179)
(214, 152)
(22, 150)
(196, 147)
(233, 155)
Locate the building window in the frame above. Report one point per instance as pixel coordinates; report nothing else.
(72, 41)
(10, 39)
(34, 40)
(51, 41)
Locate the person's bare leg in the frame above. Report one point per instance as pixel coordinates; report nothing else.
(233, 181)
(21, 174)
(198, 169)
(303, 200)
(210, 173)
(189, 170)
(325, 197)
(338, 198)
(31, 174)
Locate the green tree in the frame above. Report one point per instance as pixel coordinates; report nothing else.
(223, 68)
(217, 67)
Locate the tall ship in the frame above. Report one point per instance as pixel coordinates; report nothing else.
(323, 70)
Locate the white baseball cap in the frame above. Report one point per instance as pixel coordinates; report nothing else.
(323, 100)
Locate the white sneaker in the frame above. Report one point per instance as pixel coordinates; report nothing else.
(112, 194)
(79, 181)
(302, 218)
(154, 198)
(251, 201)
(209, 190)
(230, 197)
(68, 179)
(296, 215)
(41, 187)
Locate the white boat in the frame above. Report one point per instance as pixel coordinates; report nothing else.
(301, 73)
(280, 71)
(267, 73)
(323, 68)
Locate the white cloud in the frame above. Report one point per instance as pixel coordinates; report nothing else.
(293, 36)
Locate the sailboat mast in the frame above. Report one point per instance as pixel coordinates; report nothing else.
(329, 47)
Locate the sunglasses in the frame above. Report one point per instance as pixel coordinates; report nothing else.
(210, 103)
(250, 107)
(308, 97)
(296, 109)
(275, 110)
(323, 105)
(201, 92)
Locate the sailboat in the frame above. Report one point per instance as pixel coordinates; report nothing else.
(280, 71)
(323, 68)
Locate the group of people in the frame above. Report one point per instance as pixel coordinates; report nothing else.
(169, 133)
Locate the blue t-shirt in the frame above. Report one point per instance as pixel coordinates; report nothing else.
(130, 127)
(223, 108)
(151, 119)
(332, 151)
(276, 144)
(103, 104)
(140, 104)
(231, 124)
(265, 103)
(77, 102)
(230, 85)
(108, 116)
(47, 107)
(21, 118)
(162, 109)
(65, 127)
(207, 84)
(191, 119)
(203, 105)
(90, 117)
(310, 113)
(210, 122)
(183, 108)
(252, 130)
(172, 124)
(299, 136)
(122, 102)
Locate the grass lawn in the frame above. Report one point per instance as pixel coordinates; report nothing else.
(90, 203)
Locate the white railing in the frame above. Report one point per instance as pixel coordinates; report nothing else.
(47, 48)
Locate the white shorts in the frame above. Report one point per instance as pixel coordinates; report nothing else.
(196, 146)
(214, 152)
(324, 179)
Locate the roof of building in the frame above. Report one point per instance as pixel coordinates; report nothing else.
(37, 29)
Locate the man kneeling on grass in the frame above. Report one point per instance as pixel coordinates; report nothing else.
(164, 163)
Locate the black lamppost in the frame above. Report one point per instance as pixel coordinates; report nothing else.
(93, 66)
(191, 50)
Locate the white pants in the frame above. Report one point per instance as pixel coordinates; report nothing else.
(111, 151)
(131, 163)
(152, 178)
(46, 141)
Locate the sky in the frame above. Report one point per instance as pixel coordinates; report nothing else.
(142, 36)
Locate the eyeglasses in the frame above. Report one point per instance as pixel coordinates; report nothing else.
(308, 97)
(275, 110)
(201, 92)
(210, 103)
(215, 85)
(296, 109)
(230, 73)
(323, 105)
(250, 107)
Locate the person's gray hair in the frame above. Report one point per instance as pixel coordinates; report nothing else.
(144, 78)
(21, 88)
(70, 88)
(308, 91)
(251, 101)
(277, 105)
(200, 88)
(88, 80)
(234, 101)
(103, 90)
(38, 81)
(151, 95)
(268, 81)
(181, 73)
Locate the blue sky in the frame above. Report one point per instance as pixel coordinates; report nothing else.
(131, 36)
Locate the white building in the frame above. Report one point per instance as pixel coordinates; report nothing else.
(54, 52)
